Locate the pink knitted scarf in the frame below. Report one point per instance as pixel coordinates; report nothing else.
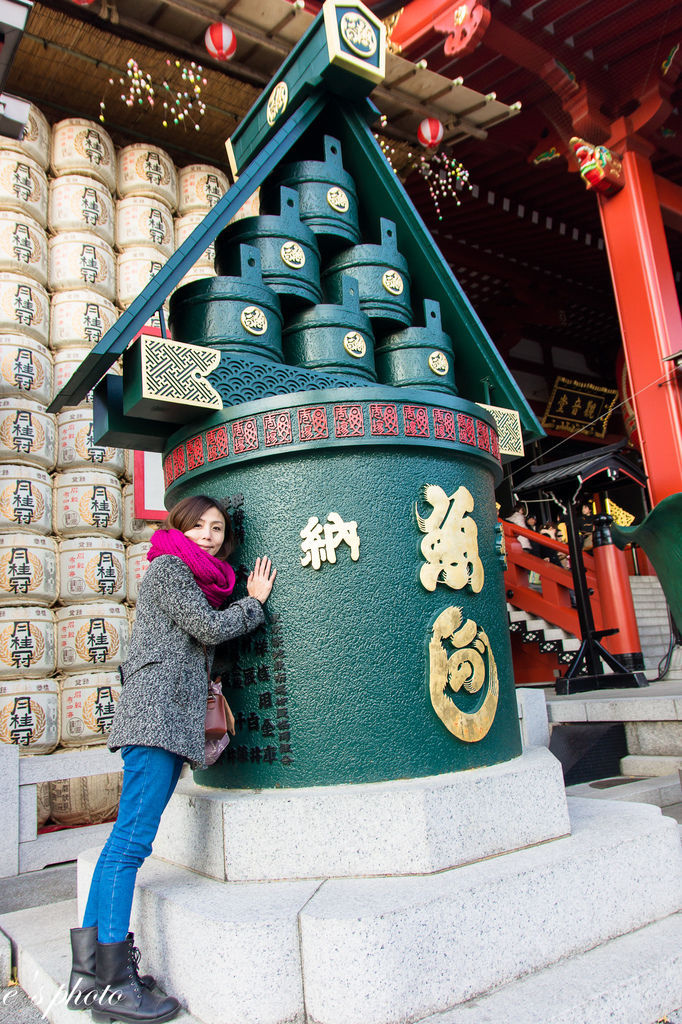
(214, 577)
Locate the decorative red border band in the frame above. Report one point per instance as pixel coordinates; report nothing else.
(331, 422)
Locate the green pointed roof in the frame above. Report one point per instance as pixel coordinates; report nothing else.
(327, 76)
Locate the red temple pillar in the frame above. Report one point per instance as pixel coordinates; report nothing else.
(649, 318)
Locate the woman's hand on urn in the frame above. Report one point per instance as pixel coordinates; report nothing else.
(261, 578)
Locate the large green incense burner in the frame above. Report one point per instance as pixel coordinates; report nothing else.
(311, 387)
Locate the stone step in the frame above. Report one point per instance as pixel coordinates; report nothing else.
(371, 950)
(632, 705)
(556, 633)
(505, 917)
(634, 979)
(42, 957)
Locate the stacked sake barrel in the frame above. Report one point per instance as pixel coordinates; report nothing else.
(92, 628)
(84, 227)
(199, 189)
(148, 191)
(29, 690)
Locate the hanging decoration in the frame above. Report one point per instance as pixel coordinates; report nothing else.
(181, 103)
(220, 41)
(84, 3)
(446, 178)
(430, 132)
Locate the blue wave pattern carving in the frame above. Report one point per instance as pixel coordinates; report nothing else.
(245, 380)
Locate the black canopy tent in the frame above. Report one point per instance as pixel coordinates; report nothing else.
(565, 481)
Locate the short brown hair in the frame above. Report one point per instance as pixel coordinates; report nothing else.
(187, 513)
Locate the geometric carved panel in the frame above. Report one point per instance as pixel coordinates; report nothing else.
(508, 429)
(175, 372)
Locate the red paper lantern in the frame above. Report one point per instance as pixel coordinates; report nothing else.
(430, 132)
(220, 41)
(84, 3)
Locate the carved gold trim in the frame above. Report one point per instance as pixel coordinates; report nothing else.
(254, 320)
(277, 103)
(354, 344)
(393, 282)
(339, 56)
(438, 363)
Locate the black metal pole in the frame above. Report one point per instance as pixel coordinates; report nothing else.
(582, 595)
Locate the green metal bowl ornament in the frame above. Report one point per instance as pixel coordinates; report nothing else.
(327, 195)
(382, 275)
(418, 356)
(336, 339)
(233, 314)
(290, 257)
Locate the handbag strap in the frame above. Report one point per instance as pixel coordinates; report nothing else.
(208, 673)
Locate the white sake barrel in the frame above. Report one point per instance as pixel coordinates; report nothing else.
(25, 499)
(35, 142)
(76, 448)
(42, 803)
(85, 801)
(135, 531)
(24, 308)
(66, 362)
(136, 267)
(88, 703)
(23, 186)
(25, 369)
(28, 569)
(78, 203)
(91, 636)
(80, 316)
(251, 208)
(91, 569)
(184, 226)
(136, 567)
(128, 463)
(144, 221)
(81, 259)
(29, 715)
(23, 246)
(197, 273)
(146, 170)
(83, 147)
(86, 502)
(27, 642)
(27, 433)
(200, 187)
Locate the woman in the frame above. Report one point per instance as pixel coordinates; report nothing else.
(158, 725)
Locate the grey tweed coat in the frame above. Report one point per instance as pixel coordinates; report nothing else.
(163, 698)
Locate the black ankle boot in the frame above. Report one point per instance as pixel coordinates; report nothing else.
(82, 987)
(82, 979)
(120, 995)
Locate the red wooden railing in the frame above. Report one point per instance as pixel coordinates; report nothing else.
(552, 601)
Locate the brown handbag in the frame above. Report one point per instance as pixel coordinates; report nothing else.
(215, 725)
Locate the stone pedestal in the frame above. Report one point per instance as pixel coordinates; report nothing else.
(388, 903)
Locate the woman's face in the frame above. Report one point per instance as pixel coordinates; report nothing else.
(209, 531)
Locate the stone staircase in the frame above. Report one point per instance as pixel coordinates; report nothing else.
(651, 611)
(549, 638)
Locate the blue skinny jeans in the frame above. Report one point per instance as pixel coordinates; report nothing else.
(149, 777)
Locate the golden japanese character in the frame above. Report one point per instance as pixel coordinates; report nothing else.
(450, 546)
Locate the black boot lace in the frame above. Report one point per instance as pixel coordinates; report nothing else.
(135, 956)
